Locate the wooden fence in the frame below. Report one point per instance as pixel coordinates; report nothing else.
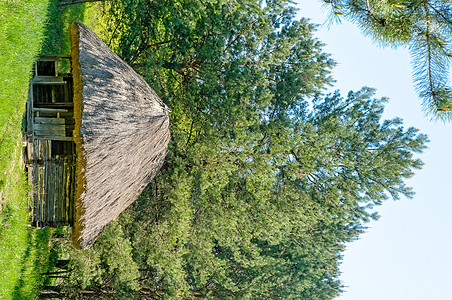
(53, 187)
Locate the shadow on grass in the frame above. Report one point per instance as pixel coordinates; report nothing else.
(56, 40)
(38, 259)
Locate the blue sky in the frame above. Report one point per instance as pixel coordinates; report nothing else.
(406, 254)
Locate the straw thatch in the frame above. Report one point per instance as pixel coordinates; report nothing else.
(121, 134)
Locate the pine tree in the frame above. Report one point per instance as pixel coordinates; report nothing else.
(424, 27)
(266, 178)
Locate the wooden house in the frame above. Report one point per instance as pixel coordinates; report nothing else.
(50, 146)
(96, 136)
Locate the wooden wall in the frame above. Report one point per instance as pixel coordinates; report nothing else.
(53, 187)
(50, 147)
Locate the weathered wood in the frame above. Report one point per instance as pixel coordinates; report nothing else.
(46, 184)
(48, 80)
(48, 190)
(52, 92)
(50, 118)
(62, 210)
(51, 197)
(55, 138)
(56, 104)
(61, 186)
(49, 121)
(57, 190)
(30, 110)
(73, 194)
(31, 197)
(35, 194)
(50, 110)
(30, 150)
(39, 195)
(50, 130)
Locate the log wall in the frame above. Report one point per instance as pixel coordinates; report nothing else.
(50, 148)
(53, 187)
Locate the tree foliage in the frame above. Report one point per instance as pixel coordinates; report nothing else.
(266, 178)
(423, 26)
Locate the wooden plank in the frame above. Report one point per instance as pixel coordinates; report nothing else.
(52, 93)
(38, 149)
(49, 130)
(50, 110)
(50, 83)
(49, 121)
(35, 149)
(35, 193)
(62, 217)
(72, 199)
(50, 192)
(45, 203)
(30, 150)
(30, 109)
(59, 198)
(35, 199)
(32, 194)
(56, 189)
(48, 80)
(56, 68)
(46, 193)
(39, 196)
(55, 138)
(68, 191)
(71, 183)
(61, 203)
(55, 105)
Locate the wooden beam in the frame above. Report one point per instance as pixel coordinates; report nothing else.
(55, 138)
(50, 110)
(48, 79)
(49, 121)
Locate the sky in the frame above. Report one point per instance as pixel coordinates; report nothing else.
(407, 253)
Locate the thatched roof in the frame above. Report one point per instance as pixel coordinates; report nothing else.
(121, 134)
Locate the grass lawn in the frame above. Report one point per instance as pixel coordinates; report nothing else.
(27, 29)
(21, 32)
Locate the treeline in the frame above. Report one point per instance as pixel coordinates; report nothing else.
(266, 177)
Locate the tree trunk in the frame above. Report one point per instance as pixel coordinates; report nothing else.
(51, 292)
(70, 2)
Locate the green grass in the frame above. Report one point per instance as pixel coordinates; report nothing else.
(56, 40)
(21, 32)
(27, 28)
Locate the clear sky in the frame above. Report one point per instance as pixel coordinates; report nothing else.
(407, 253)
